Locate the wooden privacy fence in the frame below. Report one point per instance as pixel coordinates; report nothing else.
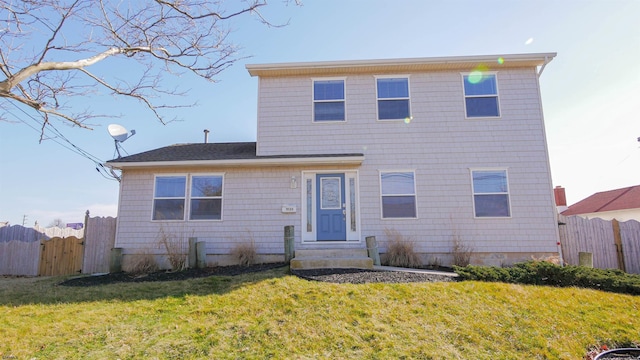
(54, 251)
(19, 258)
(61, 256)
(36, 233)
(614, 245)
(100, 237)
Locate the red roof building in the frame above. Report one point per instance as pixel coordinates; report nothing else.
(621, 204)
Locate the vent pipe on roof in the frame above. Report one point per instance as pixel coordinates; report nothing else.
(206, 136)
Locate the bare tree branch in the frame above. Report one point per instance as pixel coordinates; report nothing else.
(47, 46)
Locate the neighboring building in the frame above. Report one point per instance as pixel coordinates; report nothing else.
(620, 204)
(435, 149)
(561, 199)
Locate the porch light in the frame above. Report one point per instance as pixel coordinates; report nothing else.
(294, 183)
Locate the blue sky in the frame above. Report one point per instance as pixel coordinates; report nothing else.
(590, 91)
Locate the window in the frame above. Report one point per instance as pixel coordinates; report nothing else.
(169, 198)
(328, 100)
(393, 98)
(205, 197)
(352, 202)
(481, 95)
(398, 194)
(490, 193)
(309, 205)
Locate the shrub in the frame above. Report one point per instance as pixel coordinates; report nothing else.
(176, 249)
(546, 273)
(400, 250)
(461, 252)
(144, 264)
(245, 253)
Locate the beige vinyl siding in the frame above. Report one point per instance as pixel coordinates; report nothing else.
(440, 144)
(251, 209)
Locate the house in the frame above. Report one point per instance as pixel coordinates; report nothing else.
(436, 150)
(620, 204)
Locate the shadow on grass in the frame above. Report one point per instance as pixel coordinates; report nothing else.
(28, 291)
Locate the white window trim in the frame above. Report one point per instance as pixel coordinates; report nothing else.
(415, 193)
(399, 76)
(464, 97)
(309, 237)
(187, 197)
(508, 193)
(313, 100)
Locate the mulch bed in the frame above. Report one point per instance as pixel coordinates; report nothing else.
(340, 276)
(361, 276)
(120, 277)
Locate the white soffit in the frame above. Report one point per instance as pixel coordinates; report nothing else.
(490, 62)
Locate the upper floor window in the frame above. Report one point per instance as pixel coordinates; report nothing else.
(490, 193)
(328, 100)
(398, 192)
(481, 95)
(170, 197)
(393, 98)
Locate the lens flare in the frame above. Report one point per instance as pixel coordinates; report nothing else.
(500, 60)
(529, 41)
(408, 119)
(477, 75)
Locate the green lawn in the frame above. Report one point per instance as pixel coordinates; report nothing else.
(275, 315)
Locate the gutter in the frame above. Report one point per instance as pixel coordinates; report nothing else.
(271, 161)
(417, 64)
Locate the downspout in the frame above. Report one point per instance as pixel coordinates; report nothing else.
(555, 209)
(546, 61)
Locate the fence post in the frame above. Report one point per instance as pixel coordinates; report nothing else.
(372, 249)
(84, 238)
(193, 255)
(201, 254)
(289, 246)
(617, 239)
(115, 263)
(86, 223)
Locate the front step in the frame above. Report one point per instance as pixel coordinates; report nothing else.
(331, 258)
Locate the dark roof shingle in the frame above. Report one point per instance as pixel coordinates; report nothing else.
(208, 151)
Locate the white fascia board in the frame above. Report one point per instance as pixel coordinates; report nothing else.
(258, 69)
(337, 160)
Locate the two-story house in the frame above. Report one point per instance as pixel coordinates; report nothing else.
(435, 149)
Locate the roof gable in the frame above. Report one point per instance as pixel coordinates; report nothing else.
(612, 200)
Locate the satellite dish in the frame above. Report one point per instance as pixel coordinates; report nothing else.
(119, 135)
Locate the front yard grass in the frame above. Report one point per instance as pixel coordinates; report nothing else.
(275, 315)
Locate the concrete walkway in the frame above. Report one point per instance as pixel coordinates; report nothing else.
(420, 271)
